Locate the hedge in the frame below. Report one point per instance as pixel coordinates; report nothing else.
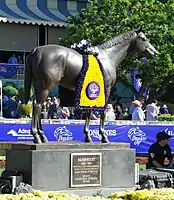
(10, 91)
(154, 194)
(166, 117)
(38, 195)
(21, 93)
(25, 109)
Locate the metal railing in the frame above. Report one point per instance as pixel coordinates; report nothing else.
(20, 73)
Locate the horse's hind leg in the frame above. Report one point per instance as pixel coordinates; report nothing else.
(104, 138)
(86, 128)
(40, 99)
(34, 122)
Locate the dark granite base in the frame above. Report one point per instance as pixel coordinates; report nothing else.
(47, 166)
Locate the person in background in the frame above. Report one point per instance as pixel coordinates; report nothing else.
(5, 106)
(152, 111)
(118, 112)
(131, 110)
(48, 103)
(72, 113)
(95, 115)
(159, 151)
(18, 102)
(54, 110)
(164, 110)
(64, 113)
(138, 113)
(13, 60)
(44, 113)
(110, 115)
(19, 60)
(12, 108)
(119, 103)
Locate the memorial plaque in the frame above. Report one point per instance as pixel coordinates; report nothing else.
(85, 169)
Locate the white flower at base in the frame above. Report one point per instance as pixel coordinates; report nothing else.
(84, 46)
(84, 42)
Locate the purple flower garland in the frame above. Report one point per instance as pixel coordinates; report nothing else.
(80, 84)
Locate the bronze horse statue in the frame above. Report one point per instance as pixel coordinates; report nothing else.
(51, 64)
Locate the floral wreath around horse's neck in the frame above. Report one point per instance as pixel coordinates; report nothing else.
(84, 47)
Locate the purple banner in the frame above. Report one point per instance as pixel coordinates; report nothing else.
(140, 137)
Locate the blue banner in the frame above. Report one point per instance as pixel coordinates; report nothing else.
(140, 137)
(8, 70)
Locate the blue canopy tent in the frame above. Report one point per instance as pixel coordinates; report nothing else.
(46, 12)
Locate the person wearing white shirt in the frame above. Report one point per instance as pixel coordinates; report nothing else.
(110, 115)
(138, 114)
(152, 111)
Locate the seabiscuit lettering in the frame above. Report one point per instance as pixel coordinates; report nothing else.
(86, 159)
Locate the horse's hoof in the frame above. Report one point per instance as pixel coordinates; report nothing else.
(37, 140)
(105, 140)
(88, 139)
(43, 138)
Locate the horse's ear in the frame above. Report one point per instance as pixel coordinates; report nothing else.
(140, 29)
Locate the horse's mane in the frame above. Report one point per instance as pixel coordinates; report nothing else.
(117, 40)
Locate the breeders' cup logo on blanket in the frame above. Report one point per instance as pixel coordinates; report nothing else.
(21, 133)
(95, 133)
(137, 136)
(63, 134)
(93, 90)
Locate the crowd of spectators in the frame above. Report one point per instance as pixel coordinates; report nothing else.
(52, 109)
(149, 112)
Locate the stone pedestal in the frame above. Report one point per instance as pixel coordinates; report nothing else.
(59, 166)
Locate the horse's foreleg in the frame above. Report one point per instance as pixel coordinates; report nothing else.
(104, 138)
(86, 128)
(34, 124)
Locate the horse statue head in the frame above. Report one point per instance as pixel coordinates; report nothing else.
(143, 45)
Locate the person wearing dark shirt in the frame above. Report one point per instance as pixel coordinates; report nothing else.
(54, 109)
(159, 151)
(118, 112)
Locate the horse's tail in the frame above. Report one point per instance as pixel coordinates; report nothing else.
(28, 77)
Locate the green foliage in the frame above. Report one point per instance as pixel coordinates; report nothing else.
(25, 110)
(144, 194)
(21, 93)
(105, 20)
(166, 117)
(10, 83)
(10, 91)
(126, 117)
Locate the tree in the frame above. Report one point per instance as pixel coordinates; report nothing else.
(102, 21)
